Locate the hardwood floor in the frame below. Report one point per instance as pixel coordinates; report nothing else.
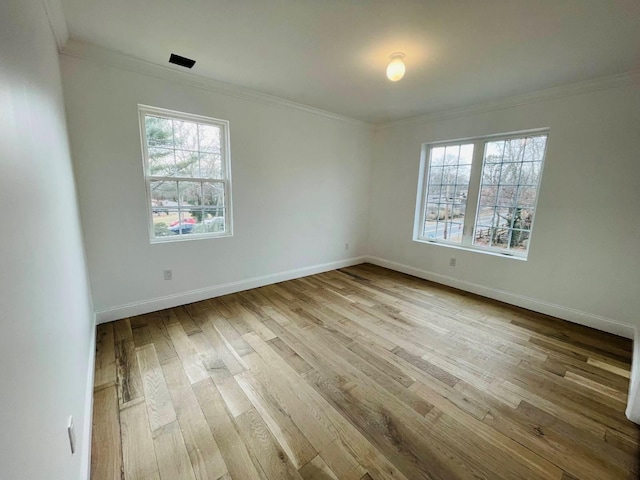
(359, 374)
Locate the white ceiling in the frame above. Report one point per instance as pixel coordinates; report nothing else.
(332, 54)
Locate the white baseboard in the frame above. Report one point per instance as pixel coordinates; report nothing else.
(576, 316)
(572, 315)
(85, 462)
(633, 401)
(160, 303)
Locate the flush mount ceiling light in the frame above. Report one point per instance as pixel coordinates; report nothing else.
(396, 68)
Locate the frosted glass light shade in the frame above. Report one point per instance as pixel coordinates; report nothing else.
(396, 68)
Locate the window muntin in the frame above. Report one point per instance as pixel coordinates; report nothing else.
(511, 171)
(490, 205)
(446, 192)
(187, 171)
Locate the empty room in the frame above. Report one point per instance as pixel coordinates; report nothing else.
(320, 239)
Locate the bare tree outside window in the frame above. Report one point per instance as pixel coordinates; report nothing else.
(498, 177)
(510, 177)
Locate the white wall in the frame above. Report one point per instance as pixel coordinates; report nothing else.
(46, 318)
(584, 258)
(300, 189)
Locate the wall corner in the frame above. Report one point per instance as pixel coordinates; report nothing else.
(633, 401)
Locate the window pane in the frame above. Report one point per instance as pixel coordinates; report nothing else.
(164, 203)
(435, 175)
(453, 231)
(210, 165)
(213, 194)
(164, 194)
(446, 192)
(163, 221)
(508, 192)
(510, 174)
(204, 220)
(500, 237)
(190, 194)
(182, 224)
(519, 239)
(464, 173)
(161, 162)
(491, 173)
(527, 196)
(466, 154)
(214, 220)
(493, 152)
(457, 210)
(530, 173)
(526, 219)
(209, 138)
(502, 217)
(159, 131)
(534, 151)
(431, 212)
(507, 195)
(449, 176)
(214, 212)
(437, 157)
(435, 194)
(451, 155)
(187, 164)
(514, 150)
(488, 195)
(462, 189)
(186, 135)
(482, 234)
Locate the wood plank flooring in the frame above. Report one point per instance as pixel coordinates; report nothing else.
(359, 374)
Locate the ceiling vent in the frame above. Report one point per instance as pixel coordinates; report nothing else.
(182, 61)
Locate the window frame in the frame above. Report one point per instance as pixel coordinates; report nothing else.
(473, 195)
(225, 152)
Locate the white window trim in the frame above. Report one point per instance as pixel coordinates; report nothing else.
(226, 160)
(473, 196)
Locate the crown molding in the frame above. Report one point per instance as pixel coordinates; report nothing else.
(95, 53)
(58, 23)
(567, 90)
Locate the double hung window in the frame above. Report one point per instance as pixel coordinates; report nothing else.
(187, 173)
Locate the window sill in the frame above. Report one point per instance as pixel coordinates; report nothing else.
(187, 238)
(483, 251)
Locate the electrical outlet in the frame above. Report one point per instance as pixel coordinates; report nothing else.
(168, 275)
(71, 429)
(346, 246)
(452, 262)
